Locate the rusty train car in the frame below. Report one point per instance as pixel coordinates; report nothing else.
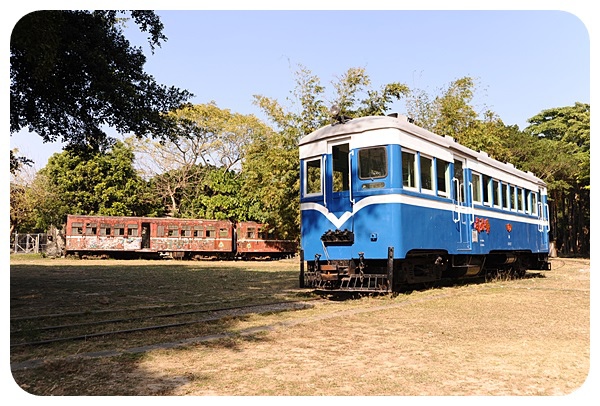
(150, 237)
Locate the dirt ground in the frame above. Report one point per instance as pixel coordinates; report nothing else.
(527, 337)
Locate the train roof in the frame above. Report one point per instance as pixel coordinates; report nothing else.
(362, 124)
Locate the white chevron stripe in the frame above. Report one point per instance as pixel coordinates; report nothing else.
(411, 200)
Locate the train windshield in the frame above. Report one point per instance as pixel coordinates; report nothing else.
(372, 163)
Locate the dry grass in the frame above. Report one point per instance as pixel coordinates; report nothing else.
(519, 337)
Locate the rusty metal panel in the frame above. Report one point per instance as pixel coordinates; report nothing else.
(166, 234)
(94, 243)
(252, 237)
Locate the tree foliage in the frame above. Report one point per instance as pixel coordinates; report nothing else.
(555, 147)
(562, 159)
(270, 170)
(94, 183)
(452, 113)
(73, 73)
(213, 139)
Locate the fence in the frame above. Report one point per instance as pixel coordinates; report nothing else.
(29, 243)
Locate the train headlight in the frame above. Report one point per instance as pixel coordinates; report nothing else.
(335, 110)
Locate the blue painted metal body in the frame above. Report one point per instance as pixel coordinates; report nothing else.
(411, 218)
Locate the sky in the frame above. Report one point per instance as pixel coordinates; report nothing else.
(523, 61)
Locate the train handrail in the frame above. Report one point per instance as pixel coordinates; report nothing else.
(472, 205)
(324, 186)
(540, 217)
(350, 155)
(456, 200)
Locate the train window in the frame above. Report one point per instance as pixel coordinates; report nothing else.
(408, 169)
(476, 182)
(313, 178)
(211, 232)
(487, 190)
(442, 170)
(509, 197)
(198, 231)
(514, 202)
(458, 175)
(90, 229)
(506, 203)
(263, 234)
(520, 202)
(186, 231)
(77, 228)
(160, 231)
(119, 229)
(132, 230)
(251, 233)
(223, 232)
(426, 172)
(534, 203)
(104, 229)
(340, 167)
(372, 163)
(172, 231)
(497, 189)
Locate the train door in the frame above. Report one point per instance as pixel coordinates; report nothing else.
(462, 213)
(145, 235)
(338, 186)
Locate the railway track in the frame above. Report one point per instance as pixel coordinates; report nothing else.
(30, 331)
(41, 338)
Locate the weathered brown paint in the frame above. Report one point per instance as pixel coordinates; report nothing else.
(221, 238)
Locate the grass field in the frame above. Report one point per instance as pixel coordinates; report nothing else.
(518, 337)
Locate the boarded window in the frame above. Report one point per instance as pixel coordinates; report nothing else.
(173, 231)
(90, 229)
(77, 228)
(120, 229)
(105, 229)
(132, 230)
(160, 231)
(186, 231)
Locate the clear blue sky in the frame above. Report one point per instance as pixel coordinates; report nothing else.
(523, 61)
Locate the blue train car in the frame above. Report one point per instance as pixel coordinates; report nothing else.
(385, 203)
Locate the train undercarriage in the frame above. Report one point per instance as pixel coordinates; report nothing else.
(419, 267)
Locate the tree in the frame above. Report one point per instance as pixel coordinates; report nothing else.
(555, 147)
(211, 138)
(562, 159)
(218, 197)
(94, 183)
(270, 168)
(73, 73)
(453, 113)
